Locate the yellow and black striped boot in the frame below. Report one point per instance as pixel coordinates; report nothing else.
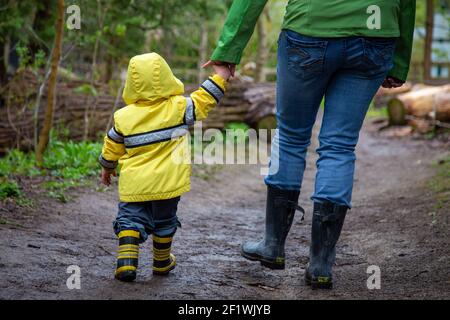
(128, 254)
(163, 260)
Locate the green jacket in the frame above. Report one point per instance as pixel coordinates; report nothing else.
(326, 18)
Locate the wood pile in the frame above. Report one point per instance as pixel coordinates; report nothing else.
(244, 102)
(17, 111)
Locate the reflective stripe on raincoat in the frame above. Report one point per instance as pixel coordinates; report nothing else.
(150, 132)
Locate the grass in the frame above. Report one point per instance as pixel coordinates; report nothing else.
(66, 164)
(374, 112)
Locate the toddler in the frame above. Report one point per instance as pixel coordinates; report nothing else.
(146, 134)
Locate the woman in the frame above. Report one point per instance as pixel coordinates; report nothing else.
(343, 51)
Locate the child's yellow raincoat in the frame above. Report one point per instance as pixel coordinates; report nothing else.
(152, 127)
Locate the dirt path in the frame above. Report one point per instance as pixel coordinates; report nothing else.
(389, 226)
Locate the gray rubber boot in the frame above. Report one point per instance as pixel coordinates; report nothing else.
(280, 209)
(328, 219)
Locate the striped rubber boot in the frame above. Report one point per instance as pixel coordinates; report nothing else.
(128, 253)
(163, 260)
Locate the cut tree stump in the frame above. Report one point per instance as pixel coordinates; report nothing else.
(396, 112)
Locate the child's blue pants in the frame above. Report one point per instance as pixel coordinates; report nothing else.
(158, 217)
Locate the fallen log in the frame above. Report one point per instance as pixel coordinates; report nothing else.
(443, 106)
(426, 102)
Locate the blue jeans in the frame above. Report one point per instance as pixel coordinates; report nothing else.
(347, 72)
(158, 217)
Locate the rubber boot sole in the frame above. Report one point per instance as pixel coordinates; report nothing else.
(319, 283)
(164, 273)
(271, 264)
(172, 266)
(126, 276)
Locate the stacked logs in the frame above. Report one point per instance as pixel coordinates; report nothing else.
(17, 123)
(244, 102)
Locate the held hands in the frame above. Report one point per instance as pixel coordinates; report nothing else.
(223, 69)
(106, 176)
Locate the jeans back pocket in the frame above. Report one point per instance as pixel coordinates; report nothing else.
(379, 54)
(305, 55)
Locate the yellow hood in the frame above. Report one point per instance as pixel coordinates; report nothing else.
(149, 79)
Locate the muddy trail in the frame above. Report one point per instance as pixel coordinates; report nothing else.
(389, 226)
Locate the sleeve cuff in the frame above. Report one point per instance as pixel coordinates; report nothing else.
(220, 81)
(214, 89)
(106, 163)
(222, 55)
(399, 73)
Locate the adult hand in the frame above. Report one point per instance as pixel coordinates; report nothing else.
(222, 71)
(392, 82)
(231, 66)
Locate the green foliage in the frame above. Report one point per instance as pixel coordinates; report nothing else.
(9, 189)
(15, 18)
(66, 165)
(72, 160)
(236, 132)
(236, 126)
(18, 163)
(86, 89)
(24, 55)
(380, 112)
(27, 60)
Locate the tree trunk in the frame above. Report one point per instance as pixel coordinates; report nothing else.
(203, 52)
(4, 66)
(51, 96)
(263, 49)
(109, 68)
(123, 77)
(92, 100)
(429, 25)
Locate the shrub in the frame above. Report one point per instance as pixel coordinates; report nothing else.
(9, 189)
(67, 164)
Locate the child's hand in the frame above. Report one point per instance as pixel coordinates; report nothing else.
(223, 71)
(106, 176)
